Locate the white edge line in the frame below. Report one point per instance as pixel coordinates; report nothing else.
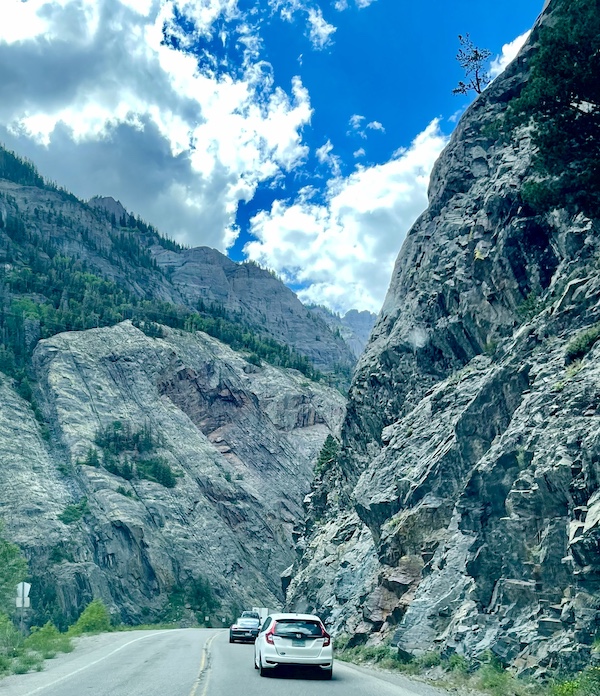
(91, 664)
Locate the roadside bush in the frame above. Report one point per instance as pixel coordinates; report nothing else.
(94, 619)
(10, 639)
(430, 659)
(458, 664)
(27, 663)
(48, 641)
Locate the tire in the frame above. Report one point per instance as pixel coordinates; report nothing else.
(231, 639)
(263, 671)
(327, 673)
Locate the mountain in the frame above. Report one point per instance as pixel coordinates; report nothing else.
(161, 411)
(462, 513)
(143, 467)
(354, 327)
(41, 224)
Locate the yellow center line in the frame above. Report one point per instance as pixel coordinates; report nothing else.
(203, 667)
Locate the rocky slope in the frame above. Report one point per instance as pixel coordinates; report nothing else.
(463, 513)
(239, 438)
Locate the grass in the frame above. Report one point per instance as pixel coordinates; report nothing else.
(486, 676)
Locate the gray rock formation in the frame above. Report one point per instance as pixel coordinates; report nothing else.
(354, 327)
(240, 439)
(259, 298)
(463, 512)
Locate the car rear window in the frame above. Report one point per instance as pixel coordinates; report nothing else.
(245, 621)
(291, 627)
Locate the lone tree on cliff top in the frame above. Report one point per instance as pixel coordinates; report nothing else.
(471, 59)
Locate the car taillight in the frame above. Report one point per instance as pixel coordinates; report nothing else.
(326, 637)
(269, 634)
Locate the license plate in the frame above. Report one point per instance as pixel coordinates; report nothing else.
(298, 643)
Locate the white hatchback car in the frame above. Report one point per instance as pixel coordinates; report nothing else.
(293, 640)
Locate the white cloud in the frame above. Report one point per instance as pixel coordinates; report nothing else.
(95, 96)
(375, 125)
(325, 156)
(342, 252)
(359, 153)
(509, 53)
(341, 5)
(356, 121)
(320, 30)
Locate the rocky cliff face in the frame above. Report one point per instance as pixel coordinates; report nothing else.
(239, 438)
(259, 299)
(463, 512)
(354, 327)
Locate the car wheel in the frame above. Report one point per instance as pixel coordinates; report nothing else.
(231, 639)
(263, 671)
(327, 673)
(255, 665)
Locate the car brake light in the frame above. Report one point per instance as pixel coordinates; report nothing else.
(269, 634)
(326, 637)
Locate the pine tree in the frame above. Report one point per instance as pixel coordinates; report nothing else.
(471, 59)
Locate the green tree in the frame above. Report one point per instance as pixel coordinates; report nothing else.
(94, 619)
(562, 101)
(328, 455)
(13, 570)
(471, 59)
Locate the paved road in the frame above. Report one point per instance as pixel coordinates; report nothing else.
(188, 662)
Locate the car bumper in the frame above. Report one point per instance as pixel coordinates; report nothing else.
(243, 635)
(273, 660)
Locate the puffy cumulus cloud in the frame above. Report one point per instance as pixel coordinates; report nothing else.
(100, 94)
(509, 53)
(341, 252)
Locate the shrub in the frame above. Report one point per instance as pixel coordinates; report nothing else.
(10, 639)
(27, 663)
(157, 469)
(94, 619)
(73, 513)
(458, 664)
(430, 659)
(581, 345)
(48, 641)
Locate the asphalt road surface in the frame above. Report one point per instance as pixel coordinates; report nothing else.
(189, 662)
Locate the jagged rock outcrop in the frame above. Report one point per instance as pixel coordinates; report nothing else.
(354, 327)
(240, 439)
(463, 512)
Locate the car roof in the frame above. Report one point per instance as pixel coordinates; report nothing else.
(301, 617)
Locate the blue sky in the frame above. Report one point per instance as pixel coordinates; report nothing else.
(298, 133)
